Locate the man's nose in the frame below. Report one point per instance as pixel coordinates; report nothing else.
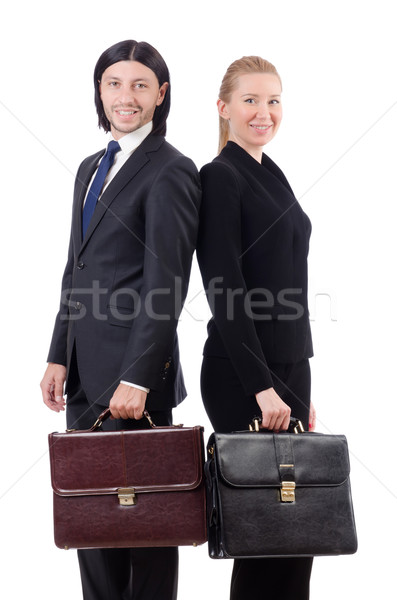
(126, 95)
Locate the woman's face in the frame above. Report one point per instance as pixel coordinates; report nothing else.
(254, 112)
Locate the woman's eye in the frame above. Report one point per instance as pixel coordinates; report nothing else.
(274, 101)
(249, 100)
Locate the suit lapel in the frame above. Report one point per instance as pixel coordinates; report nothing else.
(129, 170)
(83, 179)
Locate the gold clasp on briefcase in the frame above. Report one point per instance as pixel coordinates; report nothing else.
(126, 496)
(298, 428)
(288, 491)
(254, 425)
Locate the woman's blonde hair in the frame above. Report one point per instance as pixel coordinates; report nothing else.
(242, 66)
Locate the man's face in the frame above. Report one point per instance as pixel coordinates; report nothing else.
(130, 93)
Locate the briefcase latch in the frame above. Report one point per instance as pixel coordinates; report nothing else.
(126, 496)
(288, 491)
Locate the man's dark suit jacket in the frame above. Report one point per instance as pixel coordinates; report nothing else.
(253, 244)
(125, 283)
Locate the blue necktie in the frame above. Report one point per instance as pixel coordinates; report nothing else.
(97, 184)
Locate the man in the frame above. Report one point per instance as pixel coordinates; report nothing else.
(134, 226)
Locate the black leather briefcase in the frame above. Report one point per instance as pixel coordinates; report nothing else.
(278, 494)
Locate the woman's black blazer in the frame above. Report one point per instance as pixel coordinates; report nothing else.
(252, 251)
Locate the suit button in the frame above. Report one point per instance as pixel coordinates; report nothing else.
(80, 265)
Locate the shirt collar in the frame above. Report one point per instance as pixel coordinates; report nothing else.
(131, 141)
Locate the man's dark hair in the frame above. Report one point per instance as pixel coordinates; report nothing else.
(147, 55)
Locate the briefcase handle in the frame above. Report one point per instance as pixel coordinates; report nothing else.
(295, 425)
(106, 414)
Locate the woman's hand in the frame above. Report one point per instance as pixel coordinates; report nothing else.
(312, 417)
(275, 413)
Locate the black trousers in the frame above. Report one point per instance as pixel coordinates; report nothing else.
(126, 573)
(229, 409)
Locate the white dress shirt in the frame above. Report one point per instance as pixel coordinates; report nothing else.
(128, 143)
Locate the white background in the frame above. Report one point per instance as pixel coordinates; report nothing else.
(337, 148)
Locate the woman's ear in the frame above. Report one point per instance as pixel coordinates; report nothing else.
(222, 109)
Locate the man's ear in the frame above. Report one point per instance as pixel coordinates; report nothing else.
(162, 92)
(222, 109)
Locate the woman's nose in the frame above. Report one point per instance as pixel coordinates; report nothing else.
(263, 111)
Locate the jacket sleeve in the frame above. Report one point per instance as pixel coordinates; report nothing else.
(58, 347)
(219, 254)
(171, 225)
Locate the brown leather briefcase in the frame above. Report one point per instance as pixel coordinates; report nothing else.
(128, 489)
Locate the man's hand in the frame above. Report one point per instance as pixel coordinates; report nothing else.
(127, 402)
(52, 387)
(275, 413)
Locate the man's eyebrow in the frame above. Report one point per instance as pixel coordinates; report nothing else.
(132, 81)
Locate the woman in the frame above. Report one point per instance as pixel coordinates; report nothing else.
(252, 251)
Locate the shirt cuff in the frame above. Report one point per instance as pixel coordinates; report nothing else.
(138, 387)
